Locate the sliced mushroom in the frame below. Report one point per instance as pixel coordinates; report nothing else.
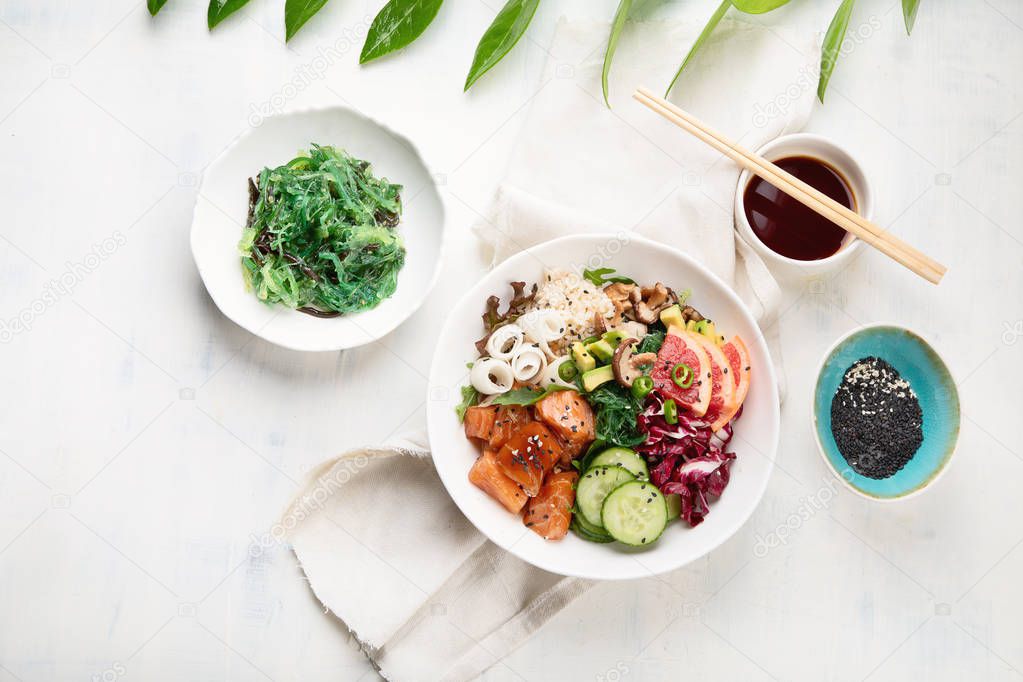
(620, 294)
(690, 313)
(644, 313)
(599, 323)
(627, 365)
(656, 296)
(652, 301)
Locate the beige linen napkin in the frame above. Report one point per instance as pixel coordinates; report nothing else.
(427, 597)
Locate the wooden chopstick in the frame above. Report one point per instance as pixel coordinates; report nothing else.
(809, 196)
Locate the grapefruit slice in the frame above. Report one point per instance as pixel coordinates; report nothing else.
(722, 395)
(739, 371)
(678, 347)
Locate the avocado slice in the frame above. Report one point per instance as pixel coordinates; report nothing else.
(596, 377)
(672, 317)
(601, 350)
(691, 326)
(614, 337)
(706, 327)
(583, 360)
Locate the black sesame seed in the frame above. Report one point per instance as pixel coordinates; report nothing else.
(876, 419)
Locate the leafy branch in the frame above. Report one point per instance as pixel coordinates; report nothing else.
(400, 22)
(831, 50)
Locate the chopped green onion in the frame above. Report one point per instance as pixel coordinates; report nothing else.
(682, 374)
(670, 411)
(590, 339)
(641, 387)
(567, 371)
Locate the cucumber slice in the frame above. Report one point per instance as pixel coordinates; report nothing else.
(673, 502)
(635, 513)
(585, 534)
(589, 528)
(625, 458)
(594, 486)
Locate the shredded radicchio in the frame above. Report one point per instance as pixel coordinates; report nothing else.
(687, 458)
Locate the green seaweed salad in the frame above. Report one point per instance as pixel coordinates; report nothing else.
(321, 234)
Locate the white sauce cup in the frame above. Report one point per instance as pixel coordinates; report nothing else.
(815, 146)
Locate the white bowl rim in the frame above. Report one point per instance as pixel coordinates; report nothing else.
(813, 413)
(384, 330)
(837, 258)
(770, 453)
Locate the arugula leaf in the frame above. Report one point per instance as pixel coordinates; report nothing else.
(715, 19)
(526, 395)
(508, 26)
(396, 25)
(909, 8)
(612, 43)
(155, 6)
(297, 12)
(596, 447)
(599, 277)
(833, 45)
(221, 9)
(469, 398)
(758, 6)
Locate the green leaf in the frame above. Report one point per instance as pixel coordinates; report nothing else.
(599, 277)
(297, 12)
(612, 42)
(833, 45)
(398, 24)
(758, 6)
(509, 25)
(909, 8)
(222, 9)
(707, 30)
(155, 6)
(469, 398)
(526, 395)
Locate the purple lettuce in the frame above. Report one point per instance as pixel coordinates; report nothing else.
(687, 458)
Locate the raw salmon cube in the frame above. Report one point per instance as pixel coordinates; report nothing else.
(488, 477)
(570, 417)
(550, 512)
(529, 455)
(479, 422)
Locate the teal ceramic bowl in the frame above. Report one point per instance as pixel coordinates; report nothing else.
(929, 377)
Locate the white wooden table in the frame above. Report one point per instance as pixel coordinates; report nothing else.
(146, 443)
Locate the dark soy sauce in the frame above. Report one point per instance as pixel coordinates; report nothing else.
(788, 227)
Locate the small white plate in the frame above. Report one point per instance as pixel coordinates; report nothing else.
(222, 206)
(756, 432)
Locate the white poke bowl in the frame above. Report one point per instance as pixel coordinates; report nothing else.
(756, 432)
(222, 206)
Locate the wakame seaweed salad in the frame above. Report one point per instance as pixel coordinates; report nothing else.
(321, 234)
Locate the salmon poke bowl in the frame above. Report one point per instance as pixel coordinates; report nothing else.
(603, 407)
